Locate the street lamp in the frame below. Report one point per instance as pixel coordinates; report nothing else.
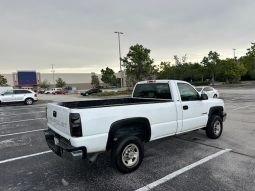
(119, 33)
(53, 71)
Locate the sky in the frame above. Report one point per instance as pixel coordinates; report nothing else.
(78, 36)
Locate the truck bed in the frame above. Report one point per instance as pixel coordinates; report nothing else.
(110, 102)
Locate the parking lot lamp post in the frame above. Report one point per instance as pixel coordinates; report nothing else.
(119, 33)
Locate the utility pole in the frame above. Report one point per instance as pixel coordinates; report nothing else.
(119, 33)
(53, 75)
(234, 51)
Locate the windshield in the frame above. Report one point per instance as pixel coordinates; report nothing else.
(152, 90)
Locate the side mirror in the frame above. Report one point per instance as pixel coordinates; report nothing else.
(203, 97)
(2, 94)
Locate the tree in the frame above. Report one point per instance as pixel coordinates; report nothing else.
(230, 70)
(108, 76)
(94, 81)
(60, 83)
(210, 63)
(3, 81)
(180, 66)
(45, 84)
(138, 64)
(249, 62)
(166, 71)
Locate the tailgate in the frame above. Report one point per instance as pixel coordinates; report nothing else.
(58, 118)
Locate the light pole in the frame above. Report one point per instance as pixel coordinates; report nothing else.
(119, 33)
(53, 71)
(234, 51)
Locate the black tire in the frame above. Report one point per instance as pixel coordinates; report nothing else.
(122, 146)
(214, 127)
(215, 96)
(29, 101)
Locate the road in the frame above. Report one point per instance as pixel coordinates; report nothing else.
(27, 164)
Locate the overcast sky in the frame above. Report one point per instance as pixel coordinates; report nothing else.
(77, 36)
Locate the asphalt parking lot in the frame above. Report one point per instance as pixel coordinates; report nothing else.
(27, 164)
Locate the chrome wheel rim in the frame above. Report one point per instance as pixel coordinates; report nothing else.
(217, 128)
(29, 101)
(130, 155)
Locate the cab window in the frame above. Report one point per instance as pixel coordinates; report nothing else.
(187, 92)
(153, 90)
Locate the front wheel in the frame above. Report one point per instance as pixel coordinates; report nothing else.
(29, 101)
(215, 96)
(127, 154)
(214, 127)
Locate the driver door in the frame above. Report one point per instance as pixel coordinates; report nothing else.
(194, 110)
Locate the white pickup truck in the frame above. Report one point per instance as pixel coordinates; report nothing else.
(157, 109)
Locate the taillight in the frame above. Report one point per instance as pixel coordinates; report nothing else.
(75, 125)
(35, 94)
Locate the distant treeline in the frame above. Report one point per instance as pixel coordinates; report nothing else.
(139, 66)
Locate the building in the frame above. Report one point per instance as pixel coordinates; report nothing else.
(78, 80)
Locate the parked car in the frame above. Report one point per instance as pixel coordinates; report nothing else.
(19, 95)
(59, 91)
(41, 90)
(209, 91)
(91, 91)
(52, 90)
(157, 109)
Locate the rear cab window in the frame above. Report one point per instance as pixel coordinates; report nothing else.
(153, 90)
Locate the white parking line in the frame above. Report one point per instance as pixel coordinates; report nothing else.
(4, 109)
(23, 157)
(243, 107)
(20, 113)
(42, 118)
(23, 132)
(182, 170)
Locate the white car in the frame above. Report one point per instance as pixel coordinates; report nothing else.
(52, 90)
(157, 109)
(28, 97)
(209, 91)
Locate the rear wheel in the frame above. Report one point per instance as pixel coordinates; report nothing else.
(127, 154)
(215, 127)
(29, 101)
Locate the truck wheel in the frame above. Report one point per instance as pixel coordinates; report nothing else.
(127, 154)
(29, 101)
(215, 127)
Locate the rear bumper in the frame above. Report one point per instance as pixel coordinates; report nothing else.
(63, 148)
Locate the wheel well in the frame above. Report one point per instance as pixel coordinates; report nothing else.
(218, 110)
(139, 127)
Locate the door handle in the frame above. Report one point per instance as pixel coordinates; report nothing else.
(185, 107)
